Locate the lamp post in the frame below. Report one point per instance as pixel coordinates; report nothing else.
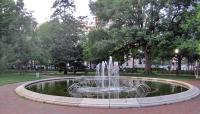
(176, 51)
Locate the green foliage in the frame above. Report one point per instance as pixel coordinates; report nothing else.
(189, 41)
(17, 26)
(66, 42)
(64, 35)
(46, 34)
(54, 41)
(99, 45)
(63, 8)
(155, 26)
(59, 41)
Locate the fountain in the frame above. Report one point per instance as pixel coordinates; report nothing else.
(107, 89)
(107, 84)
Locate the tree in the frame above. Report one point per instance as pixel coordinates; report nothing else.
(16, 27)
(98, 46)
(46, 33)
(26, 25)
(146, 23)
(132, 16)
(63, 8)
(67, 36)
(191, 36)
(7, 8)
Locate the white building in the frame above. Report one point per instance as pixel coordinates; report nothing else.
(138, 63)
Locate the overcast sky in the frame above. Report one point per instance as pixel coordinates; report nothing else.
(42, 8)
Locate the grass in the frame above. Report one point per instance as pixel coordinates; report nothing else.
(153, 75)
(13, 77)
(10, 78)
(165, 76)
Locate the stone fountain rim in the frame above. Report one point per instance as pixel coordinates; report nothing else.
(110, 103)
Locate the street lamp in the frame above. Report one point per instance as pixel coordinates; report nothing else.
(176, 60)
(176, 51)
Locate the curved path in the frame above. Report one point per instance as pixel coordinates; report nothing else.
(10, 103)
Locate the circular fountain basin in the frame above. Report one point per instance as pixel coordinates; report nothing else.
(54, 93)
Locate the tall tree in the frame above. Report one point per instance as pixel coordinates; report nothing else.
(146, 23)
(16, 26)
(191, 30)
(63, 9)
(68, 35)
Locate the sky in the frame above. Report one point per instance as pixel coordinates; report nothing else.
(42, 9)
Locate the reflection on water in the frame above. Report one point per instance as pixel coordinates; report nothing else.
(60, 88)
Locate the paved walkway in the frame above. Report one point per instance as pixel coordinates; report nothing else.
(10, 103)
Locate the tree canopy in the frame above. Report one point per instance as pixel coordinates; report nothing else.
(17, 26)
(144, 24)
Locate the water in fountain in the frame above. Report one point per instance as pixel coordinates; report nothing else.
(107, 83)
(112, 76)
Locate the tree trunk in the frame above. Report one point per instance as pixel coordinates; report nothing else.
(188, 64)
(20, 68)
(74, 71)
(90, 65)
(147, 53)
(66, 69)
(162, 63)
(133, 64)
(196, 70)
(179, 63)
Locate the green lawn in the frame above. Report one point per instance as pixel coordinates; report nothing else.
(154, 75)
(165, 76)
(9, 78)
